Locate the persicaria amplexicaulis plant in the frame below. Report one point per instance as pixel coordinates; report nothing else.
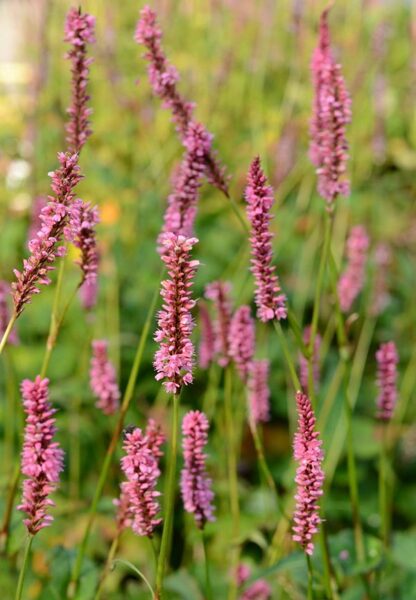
(207, 342)
(103, 379)
(42, 458)
(196, 486)
(218, 292)
(271, 303)
(352, 279)
(258, 391)
(387, 360)
(242, 340)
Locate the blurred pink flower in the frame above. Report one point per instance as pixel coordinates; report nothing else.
(387, 360)
(351, 281)
(259, 590)
(207, 343)
(103, 379)
(242, 340)
(218, 292)
(258, 391)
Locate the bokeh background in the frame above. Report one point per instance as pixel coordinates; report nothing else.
(246, 65)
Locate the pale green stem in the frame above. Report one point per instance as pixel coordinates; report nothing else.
(128, 394)
(383, 488)
(286, 352)
(5, 529)
(7, 332)
(208, 587)
(53, 324)
(20, 583)
(108, 564)
(310, 577)
(169, 500)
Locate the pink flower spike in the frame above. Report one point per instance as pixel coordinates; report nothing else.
(196, 489)
(42, 459)
(163, 78)
(207, 343)
(387, 361)
(79, 32)
(44, 247)
(351, 281)
(174, 359)
(103, 379)
(5, 313)
(218, 292)
(259, 590)
(380, 295)
(303, 363)
(271, 303)
(242, 340)
(182, 203)
(309, 475)
(331, 113)
(258, 391)
(141, 469)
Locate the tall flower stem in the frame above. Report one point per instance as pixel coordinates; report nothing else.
(286, 352)
(21, 580)
(384, 488)
(7, 332)
(5, 528)
(53, 324)
(169, 499)
(107, 567)
(310, 577)
(232, 478)
(208, 587)
(128, 394)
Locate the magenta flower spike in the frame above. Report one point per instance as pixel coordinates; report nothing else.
(79, 32)
(331, 113)
(163, 78)
(303, 363)
(309, 475)
(174, 359)
(207, 343)
(387, 361)
(44, 247)
(242, 340)
(258, 391)
(218, 292)
(83, 219)
(271, 303)
(5, 313)
(103, 380)
(197, 494)
(351, 281)
(141, 469)
(259, 590)
(42, 458)
(182, 203)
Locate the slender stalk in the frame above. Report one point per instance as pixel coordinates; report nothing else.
(383, 488)
(5, 528)
(22, 574)
(128, 394)
(53, 324)
(208, 587)
(310, 577)
(288, 358)
(108, 564)
(232, 479)
(169, 500)
(7, 332)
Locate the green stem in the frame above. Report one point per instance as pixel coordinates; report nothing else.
(289, 361)
(128, 394)
(232, 479)
(4, 533)
(208, 587)
(107, 567)
(22, 574)
(53, 324)
(383, 489)
(169, 500)
(310, 577)
(7, 332)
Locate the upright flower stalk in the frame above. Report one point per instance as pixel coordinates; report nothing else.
(103, 379)
(163, 78)
(352, 280)
(5, 313)
(331, 113)
(271, 303)
(310, 386)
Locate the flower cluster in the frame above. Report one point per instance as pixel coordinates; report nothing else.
(387, 360)
(103, 379)
(196, 489)
(352, 280)
(259, 590)
(5, 313)
(303, 363)
(164, 78)
(218, 292)
(258, 391)
(270, 302)
(83, 219)
(182, 203)
(42, 459)
(175, 357)
(242, 340)
(207, 343)
(79, 32)
(331, 114)
(140, 466)
(44, 248)
(309, 475)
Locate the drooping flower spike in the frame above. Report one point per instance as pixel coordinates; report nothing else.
(79, 32)
(387, 360)
(103, 379)
(309, 475)
(42, 458)
(242, 340)
(352, 280)
(271, 303)
(218, 292)
(138, 494)
(44, 247)
(258, 391)
(196, 489)
(174, 359)
(163, 78)
(331, 113)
